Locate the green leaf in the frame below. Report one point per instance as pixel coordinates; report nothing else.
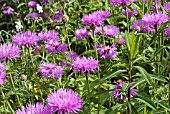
(113, 108)
(158, 77)
(127, 38)
(145, 74)
(139, 81)
(157, 51)
(164, 105)
(146, 101)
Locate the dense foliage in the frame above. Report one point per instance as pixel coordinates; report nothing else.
(84, 56)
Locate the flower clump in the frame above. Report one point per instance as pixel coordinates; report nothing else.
(65, 101)
(9, 51)
(50, 70)
(85, 65)
(37, 108)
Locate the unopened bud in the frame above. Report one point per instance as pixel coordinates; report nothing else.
(65, 18)
(23, 77)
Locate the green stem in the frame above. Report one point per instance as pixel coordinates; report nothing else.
(129, 79)
(88, 89)
(3, 95)
(14, 88)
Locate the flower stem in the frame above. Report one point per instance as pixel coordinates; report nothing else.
(88, 89)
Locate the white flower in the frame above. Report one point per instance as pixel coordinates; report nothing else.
(39, 8)
(18, 26)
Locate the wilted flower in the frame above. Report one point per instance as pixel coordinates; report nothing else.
(8, 10)
(50, 70)
(107, 52)
(37, 108)
(65, 101)
(167, 31)
(2, 74)
(9, 51)
(25, 38)
(117, 93)
(32, 4)
(49, 35)
(81, 33)
(65, 18)
(85, 65)
(53, 46)
(96, 18)
(34, 15)
(111, 30)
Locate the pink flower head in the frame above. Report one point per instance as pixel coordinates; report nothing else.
(50, 70)
(96, 18)
(111, 30)
(81, 33)
(65, 101)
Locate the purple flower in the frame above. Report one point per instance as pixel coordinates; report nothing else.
(8, 10)
(120, 41)
(167, 6)
(58, 16)
(32, 4)
(51, 70)
(155, 18)
(85, 65)
(37, 108)
(2, 74)
(9, 51)
(107, 52)
(64, 101)
(142, 26)
(167, 31)
(44, 2)
(117, 93)
(111, 30)
(131, 13)
(81, 33)
(121, 2)
(96, 18)
(53, 46)
(25, 38)
(49, 35)
(34, 15)
(98, 30)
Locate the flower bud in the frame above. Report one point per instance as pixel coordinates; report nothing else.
(65, 18)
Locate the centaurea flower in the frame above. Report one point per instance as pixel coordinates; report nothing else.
(64, 101)
(9, 51)
(37, 108)
(85, 65)
(51, 70)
